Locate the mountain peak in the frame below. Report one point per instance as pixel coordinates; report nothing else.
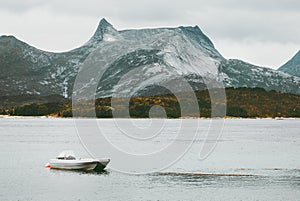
(196, 34)
(104, 23)
(104, 27)
(8, 37)
(292, 67)
(296, 57)
(9, 40)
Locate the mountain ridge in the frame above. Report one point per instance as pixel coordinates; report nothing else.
(27, 70)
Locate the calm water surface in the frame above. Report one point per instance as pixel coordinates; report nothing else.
(267, 149)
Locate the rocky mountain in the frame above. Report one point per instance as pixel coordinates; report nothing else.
(292, 67)
(155, 56)
(28, 70)
(237, 73)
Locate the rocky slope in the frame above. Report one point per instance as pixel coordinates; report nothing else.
(292, 67)
(237, 73)
(156, 56)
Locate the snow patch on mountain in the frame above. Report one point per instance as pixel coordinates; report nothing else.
(159, 55)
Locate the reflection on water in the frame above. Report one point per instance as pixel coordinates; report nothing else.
(57, 171)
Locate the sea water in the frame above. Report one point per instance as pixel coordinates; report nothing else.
(253, 159)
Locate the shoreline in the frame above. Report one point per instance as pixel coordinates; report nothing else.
(207, 118)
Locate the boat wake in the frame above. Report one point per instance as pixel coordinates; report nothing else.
(206, 174)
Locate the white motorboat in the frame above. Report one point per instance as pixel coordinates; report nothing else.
(67, 161)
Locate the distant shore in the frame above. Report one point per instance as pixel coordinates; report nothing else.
(238, 103)
(55, 117)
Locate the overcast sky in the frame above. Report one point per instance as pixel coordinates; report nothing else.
(262, 32)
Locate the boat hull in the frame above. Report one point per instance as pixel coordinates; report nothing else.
(73, 165)
(101, 165)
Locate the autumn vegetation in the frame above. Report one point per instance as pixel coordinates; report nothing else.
(241, 102)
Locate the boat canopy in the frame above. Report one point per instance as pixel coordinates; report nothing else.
(67, 155)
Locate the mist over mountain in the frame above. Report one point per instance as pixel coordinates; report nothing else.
(187, 51)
